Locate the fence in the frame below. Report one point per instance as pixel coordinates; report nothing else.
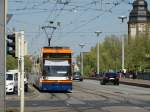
(143, 76)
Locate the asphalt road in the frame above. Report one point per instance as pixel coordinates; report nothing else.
(88, 96)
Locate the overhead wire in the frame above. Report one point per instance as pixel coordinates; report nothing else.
(59, 11)
(87, 22)
(84, 10)
(55, 17)
(93, 19)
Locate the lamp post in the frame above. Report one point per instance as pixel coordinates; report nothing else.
(82, 45)
(123, 56)
(97, 34)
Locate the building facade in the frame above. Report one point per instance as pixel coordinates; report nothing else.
(139, 20)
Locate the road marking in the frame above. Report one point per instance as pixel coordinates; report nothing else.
(34, 104)
(75, 101)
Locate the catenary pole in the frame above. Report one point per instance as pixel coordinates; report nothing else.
(82, 66)
(122, 39)
(98, 52)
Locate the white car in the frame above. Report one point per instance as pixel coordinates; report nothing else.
(11, 82)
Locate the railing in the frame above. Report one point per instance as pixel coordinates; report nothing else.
(143, 76)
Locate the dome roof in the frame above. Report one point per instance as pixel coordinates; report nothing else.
(140, 12)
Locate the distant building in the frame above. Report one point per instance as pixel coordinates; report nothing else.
(139, 19)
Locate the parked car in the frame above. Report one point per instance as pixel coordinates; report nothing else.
(11, 82)
(77, 76)
(110, 77)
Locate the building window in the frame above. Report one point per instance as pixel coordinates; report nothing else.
(141, 19)
(141, 27)
(132, 26)
(133, 32)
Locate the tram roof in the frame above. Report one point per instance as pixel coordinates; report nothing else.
(56, 49)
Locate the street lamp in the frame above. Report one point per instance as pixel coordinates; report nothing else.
(97, 34)
(82, 45)
(122, 20)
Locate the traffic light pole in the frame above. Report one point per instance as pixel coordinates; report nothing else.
(3, 13)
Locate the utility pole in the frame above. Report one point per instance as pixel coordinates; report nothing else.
(82, 45)
(22, 72)
(19, 59)
(122, 39)
(3, 13)
(97, 34)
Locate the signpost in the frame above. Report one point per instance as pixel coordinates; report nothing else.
(2, 53)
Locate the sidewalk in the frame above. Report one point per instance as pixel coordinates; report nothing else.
(28, 95)
(135, 82)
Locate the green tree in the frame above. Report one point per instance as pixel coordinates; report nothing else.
(27, 64)
(137, 54)
(110, 53)
(138, 48)
(110, 56)
(11, 62)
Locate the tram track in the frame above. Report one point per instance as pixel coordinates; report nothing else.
(117, 96)
(56, 95)
(106, 94)
(68, 96)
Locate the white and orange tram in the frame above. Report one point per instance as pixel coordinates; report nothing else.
(56, 70)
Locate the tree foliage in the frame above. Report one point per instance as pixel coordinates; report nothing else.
(27, 64)
(137, 55)
(137, 50)
(11, 62)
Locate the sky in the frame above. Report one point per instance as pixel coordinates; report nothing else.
(76, 21)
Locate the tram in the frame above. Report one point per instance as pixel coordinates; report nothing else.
(56, 70)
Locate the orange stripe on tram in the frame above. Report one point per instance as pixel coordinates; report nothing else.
(56, 81)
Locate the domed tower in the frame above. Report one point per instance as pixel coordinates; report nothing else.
(139, 19)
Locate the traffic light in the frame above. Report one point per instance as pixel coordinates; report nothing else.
(11, 44)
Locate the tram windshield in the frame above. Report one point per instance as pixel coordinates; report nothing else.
(56, 70)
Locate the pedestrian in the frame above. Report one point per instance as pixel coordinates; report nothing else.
(134, 75)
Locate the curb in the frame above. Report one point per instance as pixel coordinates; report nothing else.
(135, 84)
(128, 83)
(31, 93)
